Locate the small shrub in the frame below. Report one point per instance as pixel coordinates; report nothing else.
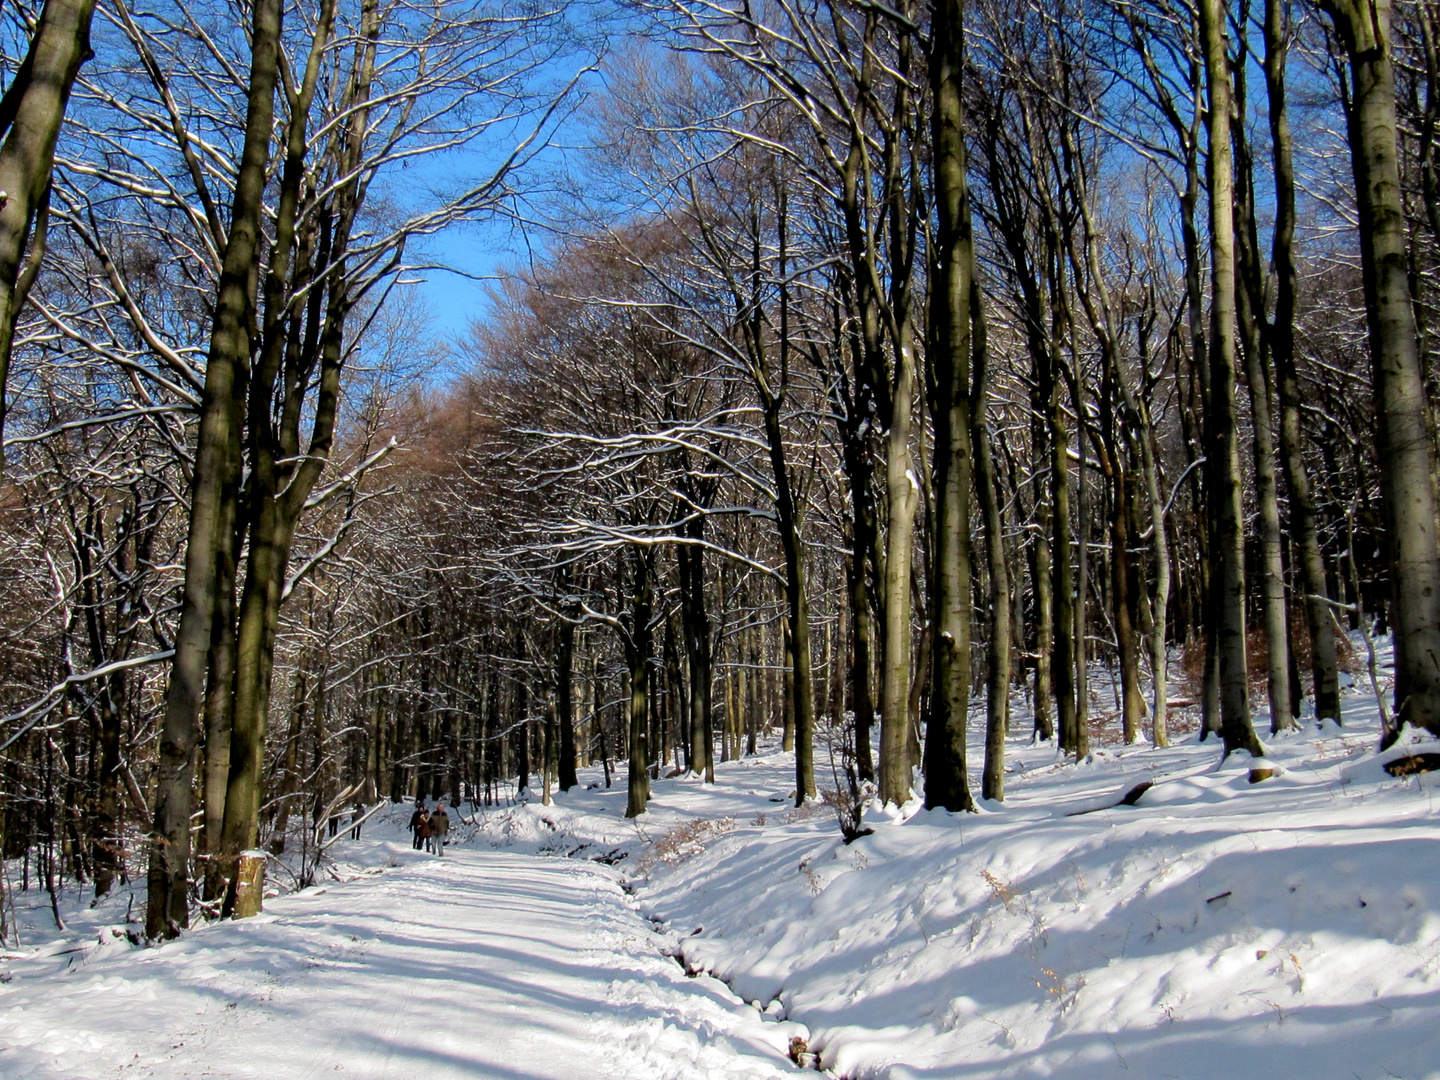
(1000, 890)
(812, 879)
(684, 842)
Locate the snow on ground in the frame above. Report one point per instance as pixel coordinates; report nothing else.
(1217, 928)
(484, 964)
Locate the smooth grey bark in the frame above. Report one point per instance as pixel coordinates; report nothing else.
(987, 490)
(1254, 332)
(220, 679)
(1042, 583)
(1132, 705)
(1082, 581)
(1187, 134)
(948, 369)
(902, 503)
(773, 389)
(1062, 580)
(1094, 297)
(1048, 325)
(1010, 222)
(1228, 543)
(1148, 449)
(1250, 315)
(1200, 363)
(699, 655)
(1403, 443)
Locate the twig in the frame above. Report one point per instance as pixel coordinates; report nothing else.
(355, 824)
(1387, 720)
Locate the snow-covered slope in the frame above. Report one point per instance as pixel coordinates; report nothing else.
(1217, 928)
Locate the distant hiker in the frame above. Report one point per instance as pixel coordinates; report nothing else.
(439, 828)
(416, 819)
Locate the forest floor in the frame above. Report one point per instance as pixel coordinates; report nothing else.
(1279, 930)
(1216, 928)
(482, 964)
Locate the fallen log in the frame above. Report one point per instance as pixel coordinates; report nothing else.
(1130, 798)
(1413, 764)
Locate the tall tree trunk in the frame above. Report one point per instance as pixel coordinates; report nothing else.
(1403, 442)
(1132, 705)
(108, 839)
(902, 485)
(637, 641)
(565, 706)
(862, 637)
(946, 781)
(31, 113)
(520, 725)
(254, 652)
(1228, 551)
(282, 472)
(800, 684)
(1082, 584)
(1042, 583)
(220, 682)
(550, 752)
(1062, 589)
(803, 688)
(1160, 546)
(696, 627)
(1304, 533)
(987, 487)
(169, 873)
(1255, 338)
(753, 705)
(1200, 366)
(902, 502)
(375, 736)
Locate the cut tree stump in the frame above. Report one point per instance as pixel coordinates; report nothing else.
(249, 884)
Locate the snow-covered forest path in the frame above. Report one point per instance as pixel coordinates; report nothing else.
(481, 965)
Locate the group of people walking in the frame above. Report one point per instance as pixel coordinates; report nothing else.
(430, 827)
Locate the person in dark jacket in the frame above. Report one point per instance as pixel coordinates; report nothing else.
(416, 820)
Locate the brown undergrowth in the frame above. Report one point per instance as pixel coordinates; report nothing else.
(683, 842)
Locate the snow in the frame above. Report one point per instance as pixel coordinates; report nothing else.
(1287, 928)
(483, 964)
(1218, 927)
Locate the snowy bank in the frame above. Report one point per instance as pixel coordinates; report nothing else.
(1289, 928)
